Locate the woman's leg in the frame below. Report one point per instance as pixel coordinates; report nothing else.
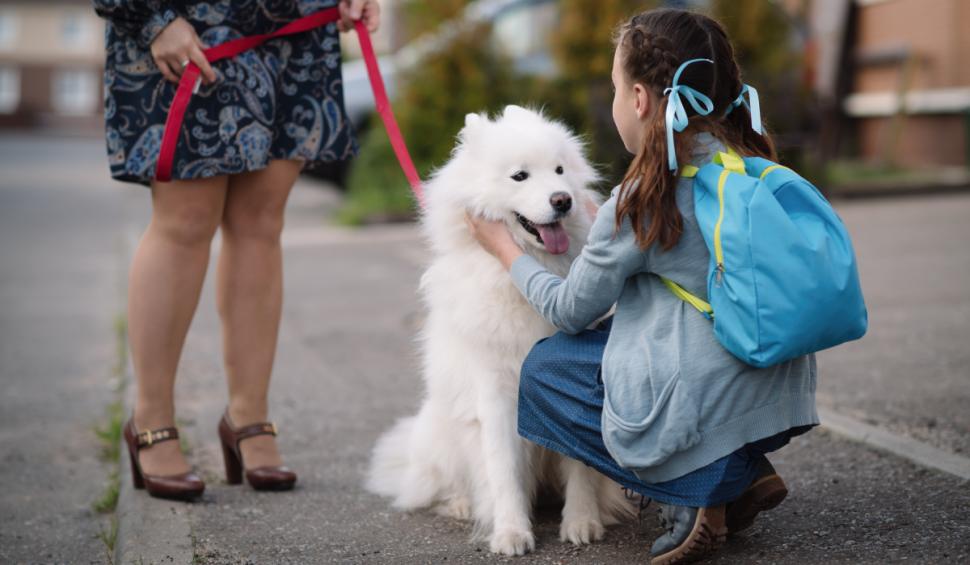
(250, 295)
(163, 291)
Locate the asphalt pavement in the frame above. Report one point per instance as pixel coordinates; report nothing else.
(61, 289)
(347, 368)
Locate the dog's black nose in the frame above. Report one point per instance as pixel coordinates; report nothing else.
(561, 202)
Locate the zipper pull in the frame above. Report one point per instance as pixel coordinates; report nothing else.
(719, 274)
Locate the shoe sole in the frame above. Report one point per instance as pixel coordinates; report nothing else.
(708, 534)
(275, 487)
(765, 494)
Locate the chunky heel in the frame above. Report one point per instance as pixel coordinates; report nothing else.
(136, 477)
(184, 486)
(233, 465)
(260, 478)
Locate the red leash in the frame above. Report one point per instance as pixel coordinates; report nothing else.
(187, 84)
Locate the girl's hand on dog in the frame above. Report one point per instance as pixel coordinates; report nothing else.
(368, 11)
(494, 237)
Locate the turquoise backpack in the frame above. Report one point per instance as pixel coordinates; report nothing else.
(783, 280)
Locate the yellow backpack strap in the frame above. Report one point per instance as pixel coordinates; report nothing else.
(730, 160)
(679, 292)
(735, 161)
(767, 170)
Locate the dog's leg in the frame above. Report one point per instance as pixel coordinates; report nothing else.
(508, 472)
(581, 520)
(457, 506)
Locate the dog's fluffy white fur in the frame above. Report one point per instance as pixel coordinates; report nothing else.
(461, 454)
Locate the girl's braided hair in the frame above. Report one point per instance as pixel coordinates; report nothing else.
(652, 46)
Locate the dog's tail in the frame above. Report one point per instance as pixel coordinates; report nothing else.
(390, 460)
(400, 470)
(615, 506)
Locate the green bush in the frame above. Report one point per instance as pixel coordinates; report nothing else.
(469, 76)
(376, 187)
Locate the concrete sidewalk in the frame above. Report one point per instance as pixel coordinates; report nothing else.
(911, 373)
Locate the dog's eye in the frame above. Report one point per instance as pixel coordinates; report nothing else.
(559, 170)
(520, 176)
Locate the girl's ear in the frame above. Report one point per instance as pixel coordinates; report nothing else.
(641, 101)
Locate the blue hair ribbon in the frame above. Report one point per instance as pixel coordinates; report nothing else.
(754, 107)
(676, 116)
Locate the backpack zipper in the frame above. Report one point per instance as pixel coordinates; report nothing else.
(718, 252)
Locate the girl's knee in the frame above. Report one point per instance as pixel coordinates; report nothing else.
(539, 362)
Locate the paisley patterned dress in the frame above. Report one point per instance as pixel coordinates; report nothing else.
(282, 100)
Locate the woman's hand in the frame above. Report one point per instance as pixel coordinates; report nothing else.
(494, 237)
(368, 11)
(175, 46)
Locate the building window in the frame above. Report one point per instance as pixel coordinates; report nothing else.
(74, 92)
(522, 33)
(74, 30)
(9, 89)
(8, 28)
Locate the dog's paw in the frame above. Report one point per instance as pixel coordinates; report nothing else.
(458, 507)
(512, 542)
(580, 530)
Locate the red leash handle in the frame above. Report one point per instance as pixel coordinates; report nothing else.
(183, 95)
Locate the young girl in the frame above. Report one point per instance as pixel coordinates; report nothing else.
(649, 397)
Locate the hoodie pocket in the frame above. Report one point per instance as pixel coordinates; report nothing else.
(668, 426)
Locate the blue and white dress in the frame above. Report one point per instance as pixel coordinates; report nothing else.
(281, 100)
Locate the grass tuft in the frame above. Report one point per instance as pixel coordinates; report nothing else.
(108, 500)
(108, 538)
(110, 430)
(121, 349)
(109, 433)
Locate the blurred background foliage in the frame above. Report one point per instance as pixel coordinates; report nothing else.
(473, 75)
(469, 76)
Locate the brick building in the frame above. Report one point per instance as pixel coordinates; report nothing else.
(51, 61)
(908, 93)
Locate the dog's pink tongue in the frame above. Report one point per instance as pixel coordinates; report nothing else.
(554, 238)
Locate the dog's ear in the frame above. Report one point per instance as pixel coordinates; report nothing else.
(473, 123)
(513, 111)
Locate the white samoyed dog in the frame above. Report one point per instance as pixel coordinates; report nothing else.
(461, 453)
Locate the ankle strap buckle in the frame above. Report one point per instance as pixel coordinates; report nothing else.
(151, 437)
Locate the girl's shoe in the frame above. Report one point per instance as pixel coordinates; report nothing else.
(692, 533)
(260, 478)
(765, 492)
(184, 486)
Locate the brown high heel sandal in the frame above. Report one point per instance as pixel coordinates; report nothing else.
(260, 478)
(184, 486)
